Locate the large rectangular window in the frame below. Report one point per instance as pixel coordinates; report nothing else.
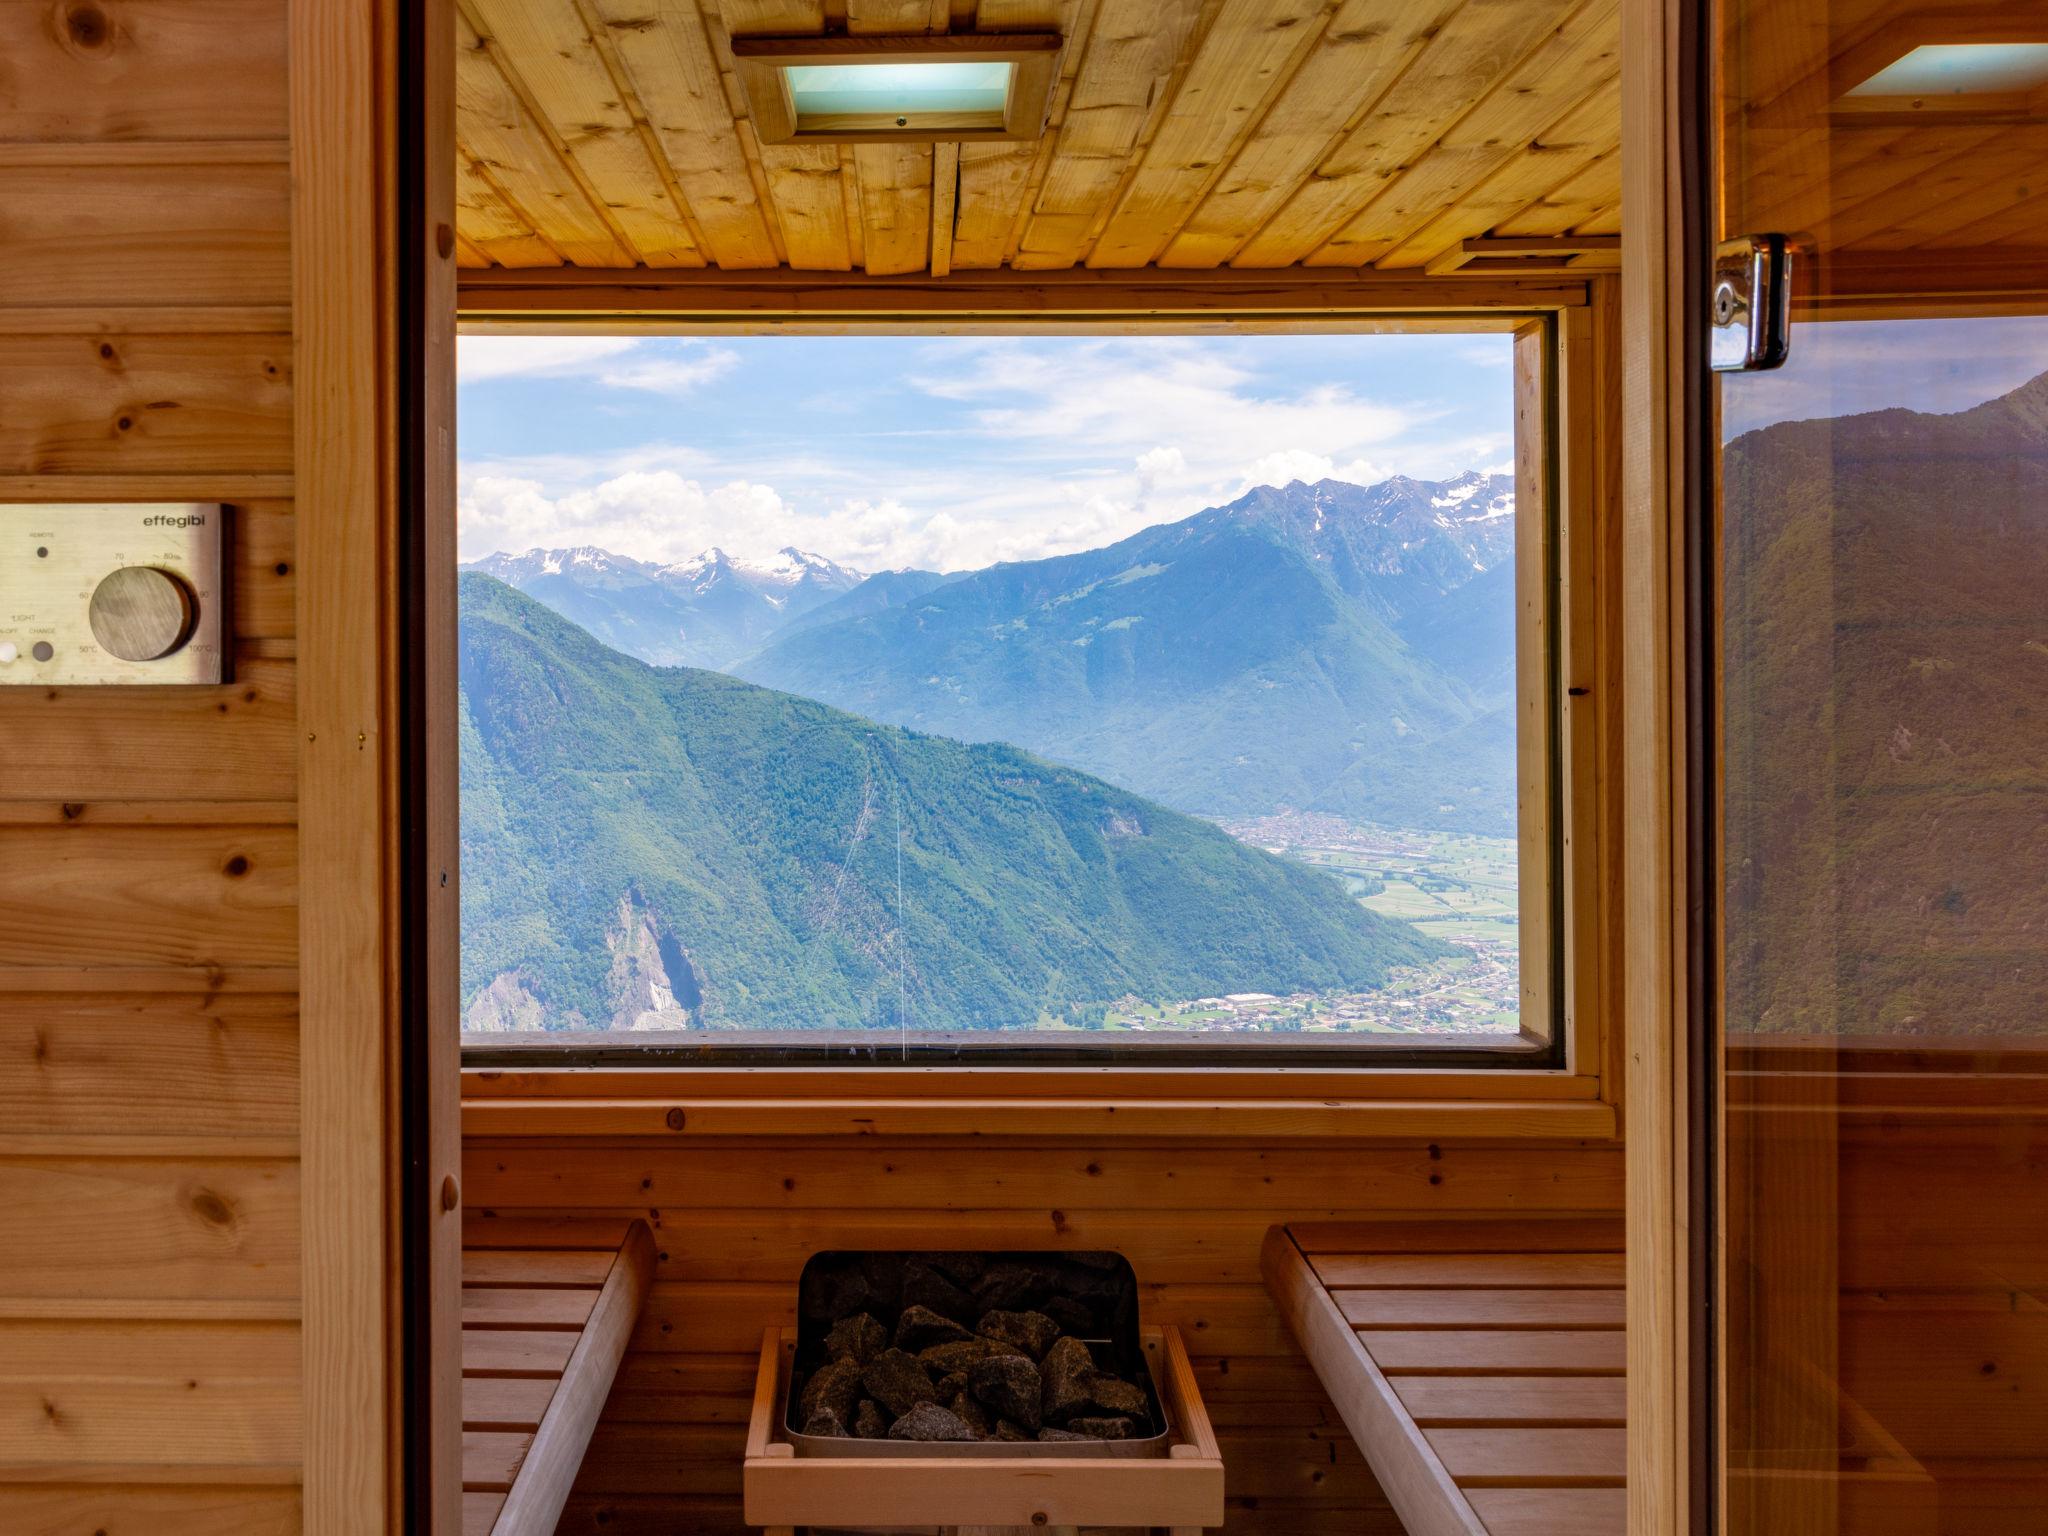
(905, 695)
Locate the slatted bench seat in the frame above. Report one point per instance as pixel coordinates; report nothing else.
(1478, 1364)
(543, 1331)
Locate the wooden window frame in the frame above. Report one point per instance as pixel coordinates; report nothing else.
(761, 65)
(1567, 347)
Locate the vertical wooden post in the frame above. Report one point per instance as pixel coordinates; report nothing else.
(341, 63)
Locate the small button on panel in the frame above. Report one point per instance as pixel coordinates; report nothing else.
(117, 594)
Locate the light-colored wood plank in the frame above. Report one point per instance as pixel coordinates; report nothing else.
(670, 63)
(1365, 46)
(534, 1505)
(1568, 1234)
(548, 58)
(1463, 1271)
(112, 896)
(1524, 1457)
(895, 206)
(156, 234)
(235, 741)
(505, 1402)
(491, 226)
(945, 201)
(1416, 1481)
(1096, 1120)
(1551, 1511)
(1250, 50)
(137, 404)
(532, 1268)
(149, 1510)
(99, 1065)
(1476, 44)
(506, 1352)
(1128, 69)
(1435, 1401)
(1506, 1310)
(491, 1459)
(1496, 1352)
(932, 1176)
(142, 1228)
(213, 1420)
(1512, 118)
(511, 1307)
(480, 1512)
(512, 152)
(147, 73)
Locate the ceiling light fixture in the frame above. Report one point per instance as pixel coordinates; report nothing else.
(964, 87)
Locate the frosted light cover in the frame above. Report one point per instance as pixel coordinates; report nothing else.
(834, 90)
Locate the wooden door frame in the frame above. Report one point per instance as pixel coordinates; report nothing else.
(372, 86)
(1666, 754)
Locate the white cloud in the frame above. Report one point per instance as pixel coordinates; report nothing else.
(987, 449)
(669, 367)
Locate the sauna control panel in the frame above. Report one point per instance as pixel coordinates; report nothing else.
(124, 594)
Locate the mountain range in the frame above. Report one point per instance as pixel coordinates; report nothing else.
(1327, 647)
(1324, 647)
(703, 612)
(671, 847)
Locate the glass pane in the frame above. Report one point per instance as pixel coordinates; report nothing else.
(1884, 691)
(892, 692)
(833, 89)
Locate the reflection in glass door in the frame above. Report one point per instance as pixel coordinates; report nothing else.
(1883, 692)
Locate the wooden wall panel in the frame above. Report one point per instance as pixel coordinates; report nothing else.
(735, 1219)
(104, 235)
(89, 404)
(149, 1054)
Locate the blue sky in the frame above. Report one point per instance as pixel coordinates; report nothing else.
(942, 452)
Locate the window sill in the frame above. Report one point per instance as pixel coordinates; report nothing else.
(625, 1105)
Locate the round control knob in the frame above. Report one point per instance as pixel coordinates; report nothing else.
(141, 613)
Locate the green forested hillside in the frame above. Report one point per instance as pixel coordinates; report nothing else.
(663, 846)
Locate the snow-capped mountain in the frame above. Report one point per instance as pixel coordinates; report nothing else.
(706, 611)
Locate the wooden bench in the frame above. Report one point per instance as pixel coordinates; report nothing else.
(543, 1331)
(1478, 1364)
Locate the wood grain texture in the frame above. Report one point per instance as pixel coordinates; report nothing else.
(1187, 134)
(129, 71)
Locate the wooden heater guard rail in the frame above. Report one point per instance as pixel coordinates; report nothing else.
(1182, 1490)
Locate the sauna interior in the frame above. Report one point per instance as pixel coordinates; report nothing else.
(1732, 1217)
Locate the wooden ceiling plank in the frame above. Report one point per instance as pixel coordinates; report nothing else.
(1480, 42)
(1522, 111)
(1586, 134)
(1567, 207)
(1248, 55)
(815, 221)
(468, 255)
(498, 131)
(667, 60)
(849, 191)
(1132, 47)
(945, 200)
(545, 53)
(1365, 46)
(492, 226)
(998, 182)
(895, 206)
(890, 18)
(765, 17)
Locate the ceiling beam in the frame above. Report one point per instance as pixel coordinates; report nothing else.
(589, 299)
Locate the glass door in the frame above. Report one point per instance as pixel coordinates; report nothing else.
(1882, 681)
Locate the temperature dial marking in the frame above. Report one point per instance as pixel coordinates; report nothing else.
(142, 613)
